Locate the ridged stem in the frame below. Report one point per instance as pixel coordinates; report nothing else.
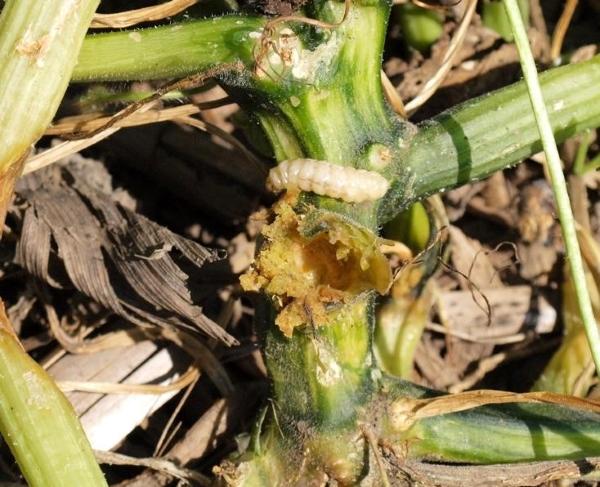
(175, 50)
(39, 424)
(39, 44)
(493, 434)
(486, 134)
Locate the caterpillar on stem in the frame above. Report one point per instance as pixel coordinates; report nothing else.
(327, 179)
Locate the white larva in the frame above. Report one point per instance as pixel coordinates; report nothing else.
(327, 179)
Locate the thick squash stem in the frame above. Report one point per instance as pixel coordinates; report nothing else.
(316, 93)
(39, 424)
(39, 44)
(484, 135)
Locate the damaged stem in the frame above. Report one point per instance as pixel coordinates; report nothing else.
(39, 44)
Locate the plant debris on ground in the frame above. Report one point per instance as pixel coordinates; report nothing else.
(138, 244)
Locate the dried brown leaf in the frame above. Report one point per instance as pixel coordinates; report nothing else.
(119, 258)
(404, 412)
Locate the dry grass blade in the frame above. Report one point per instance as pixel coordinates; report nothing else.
(63, 150)
(72, 125)
(68, 148)
(144, 104)
(143, 116)
(185, 380)
(82, 140)
(453, 49)
(404, 412)
(558, 36)
(147, 14)
(392, 95)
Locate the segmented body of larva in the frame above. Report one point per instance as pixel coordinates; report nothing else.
(327, 179)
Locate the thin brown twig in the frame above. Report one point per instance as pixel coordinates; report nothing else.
(482, 251)
(80, 140)
(129, 18)
(474, 288)
(306, 20)
(69, 127)
(392, 95)
(75, 125)
(558, 36)
(373, 444)
(440, 237)
(162, 443)
(182, 84)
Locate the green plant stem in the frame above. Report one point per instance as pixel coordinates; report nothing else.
(37, 55)
(39, 424)
(168, 51)
(495, 434)
(486, 134)
(592, 164)
(39, 44)
(318, 347)
(466, 143)
(557, 178)
(340, 116)
(579, 165)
